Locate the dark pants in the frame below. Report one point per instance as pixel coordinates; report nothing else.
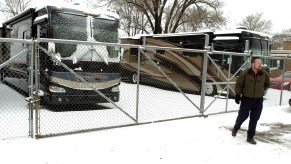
(249, 107)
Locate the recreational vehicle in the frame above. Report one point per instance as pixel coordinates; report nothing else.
(99, 65)
(185, 68)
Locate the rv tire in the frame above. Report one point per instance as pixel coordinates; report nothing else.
(210, 89)
(133, 78)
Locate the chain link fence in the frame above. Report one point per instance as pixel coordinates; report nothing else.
(84, 88)
(280, 67)
(76, 86)
(15, 112)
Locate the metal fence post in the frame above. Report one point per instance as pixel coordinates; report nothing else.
(137, 85)
(204, 75)
(30, 100)
(37, 84)
(228, 80)
(246, 51)
(37, 99)
(283, 79)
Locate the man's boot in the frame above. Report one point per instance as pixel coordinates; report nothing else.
(251, 141)
(234, 132)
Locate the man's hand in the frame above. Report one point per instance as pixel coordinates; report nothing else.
(237, 99)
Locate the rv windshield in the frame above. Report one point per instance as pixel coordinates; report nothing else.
(259, 47)
(84, 28)
(228, 45)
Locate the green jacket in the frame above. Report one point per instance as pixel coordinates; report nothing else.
(247, 86)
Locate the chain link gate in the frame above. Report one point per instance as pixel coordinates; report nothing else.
(139, 103)
(136, 105)
(171, 99)
(155, 65)
(86, 103)
(224, 78)
(16, 115)
(161, 68)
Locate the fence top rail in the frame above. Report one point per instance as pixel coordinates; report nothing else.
(281, 52)
(280, 58)
(229, 53)
(15, 40)
(174, 49)
(39, 40)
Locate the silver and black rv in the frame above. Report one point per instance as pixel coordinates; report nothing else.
(99, 65)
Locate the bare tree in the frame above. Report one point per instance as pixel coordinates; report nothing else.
(279, 38)
(192, 15)
(202, 17)
(92, 3)
(101, 3)
(256, 22)
(164, 16)
(131, 21)
(13, 7)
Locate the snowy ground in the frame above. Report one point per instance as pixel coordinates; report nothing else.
(193, 140)
(154, 105)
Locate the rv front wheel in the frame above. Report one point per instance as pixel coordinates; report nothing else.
(210, 90)
(134, 78)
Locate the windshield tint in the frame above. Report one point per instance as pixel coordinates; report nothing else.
(265, 48)
(70, 27)
(259, 47)
(76, 27)
(228, 45)
(256, 46)
(106, 31)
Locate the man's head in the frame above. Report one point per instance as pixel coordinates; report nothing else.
(256, 64)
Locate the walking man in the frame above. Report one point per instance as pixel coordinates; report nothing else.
(250, 88)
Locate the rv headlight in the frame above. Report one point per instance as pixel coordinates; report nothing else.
(115, 89)
(56, 89)
(40, 93)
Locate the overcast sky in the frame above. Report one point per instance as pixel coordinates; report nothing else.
(276, 11)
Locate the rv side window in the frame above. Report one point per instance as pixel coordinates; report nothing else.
(161, 52)
(133, 51)
(264, 48)
(25, 35)
(256, 46)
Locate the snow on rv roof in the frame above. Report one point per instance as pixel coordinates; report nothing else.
(138, 36)
(41, 18)
(234, 31)
(104, 13)
(226, 38)
(179, 34)
(240, 31)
